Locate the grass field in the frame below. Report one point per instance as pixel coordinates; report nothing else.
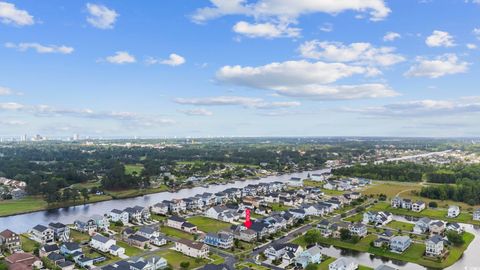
(252, 266)
(207, 224)
(398, 225)
(28, 245)
(78, 236)
(175, 233)
(413, 254)
(355, 218)
(175, 258)
(133, 168)
(129, 250)
(276, 207)
(324, 265)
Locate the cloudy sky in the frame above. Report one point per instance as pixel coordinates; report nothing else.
(240, 68)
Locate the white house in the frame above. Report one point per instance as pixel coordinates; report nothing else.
(192, 249)
(310, 256)
(42, 234)
(343, 263)
(418, 206)
(453, 211)
(295, 182)
(400, 243)
(434, 246)
(358, 229)
(160, 208)
(476, 214)
(377, 218)
(102, 243)
(118, 215)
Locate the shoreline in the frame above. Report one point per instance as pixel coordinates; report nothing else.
(147, 192)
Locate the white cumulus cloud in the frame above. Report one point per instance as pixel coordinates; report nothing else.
(173, 60)
(361, 52)
(440, 39)
(391, 36)
(247, 102)
(446, 64)
(39, 48)
(101, 16)
(265, 30)
(471, 46)
(197, 112)
(121, 57)
(10, 14)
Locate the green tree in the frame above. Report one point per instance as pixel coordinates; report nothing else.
(185, 265)
(345, 234)
(312, 237)
(85, 195)
(455, 238)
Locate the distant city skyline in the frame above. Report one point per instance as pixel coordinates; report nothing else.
(239, 68)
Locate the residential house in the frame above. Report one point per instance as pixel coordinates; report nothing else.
(422, 225)
(396, 202)
(61, 231)
(23, 261)
(407, 204)
(453, 226)
(192, 249)
(418, 206)
(85, 225)
(181, 224)
(453, 211)
(400, 243)
(277, 251)
(343, 263)
(377, 218)
(117, 215)
(137, 213)
(313, 209)
(102, 243)
(242, 233)
(45, 250)
(476, 214)
(312, 255)
(160, 208)
(385, 267)
(383, 239)
(42, 234)
(434, 246)
(10, 241)
(223, 213)
(358, 229)
(295, 182)
(138, 240)
(221, 239)
(148, 232)
(70, 248)
(437, 227)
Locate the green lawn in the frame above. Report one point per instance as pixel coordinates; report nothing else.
(324, 265)
(78, 236)
(175, 233)
(398, 225)
(251, 266)
(355, 218)
(413, 254)
(129, 250)
(174, 258)
(277, 207)
(133, 168)
(207, 224)
(28, 245)
(217, 259)
(431, 213)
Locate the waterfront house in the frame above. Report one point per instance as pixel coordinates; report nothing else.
(192, 249)
(418, 206)
(434, 246)
(453, 226)
(101, 222)
(102, 243)
(343, 263)
(400, 243)
(160, 208)
(223, 213)
(85, 225)
(383, 239)
(422, 225)
(277, 251)
(453, 211)
(221, 239)
(118, 216)
(10, 241)
(61, 231)
(312, 255)
(42, 234)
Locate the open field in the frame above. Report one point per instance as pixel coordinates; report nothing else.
(129, 250)
(175, 233)
(78, 236)
(398, 225)
(175, 258)
(355, 218)
(207, 224)
(133, 168)
(277, 207)
(28, 245)
(407, 190)
(413, 254)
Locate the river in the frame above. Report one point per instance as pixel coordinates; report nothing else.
(67, 215)
(469, 261)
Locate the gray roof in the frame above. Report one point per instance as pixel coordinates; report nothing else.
(100, 238)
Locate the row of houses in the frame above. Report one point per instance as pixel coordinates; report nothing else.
(435, 227)
(434, 245)
(55, 231)
(408, 204)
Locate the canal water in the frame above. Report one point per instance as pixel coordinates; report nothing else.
(24, 222)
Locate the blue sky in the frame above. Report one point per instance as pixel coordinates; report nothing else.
(240, 68)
